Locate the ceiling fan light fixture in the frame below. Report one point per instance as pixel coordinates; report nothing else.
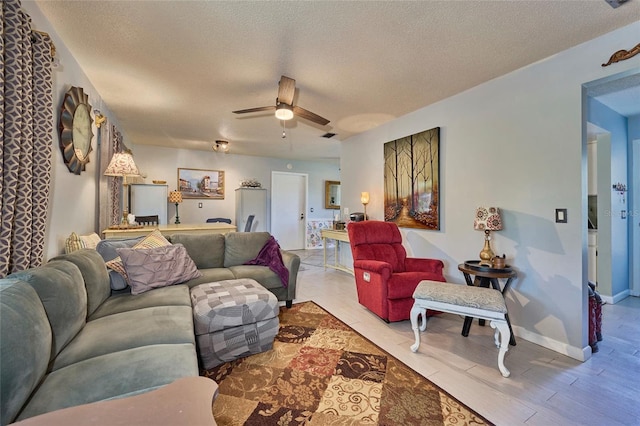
(221, 146)
(284, 112)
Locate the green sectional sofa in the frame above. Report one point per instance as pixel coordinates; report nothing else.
(66, 341)
(223, 257)
(68, 338)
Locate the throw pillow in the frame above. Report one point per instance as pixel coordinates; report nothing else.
(73, 243)
(157, 267)
(91, 240)
(153, 240)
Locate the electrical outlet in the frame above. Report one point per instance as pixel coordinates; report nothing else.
(366, 276)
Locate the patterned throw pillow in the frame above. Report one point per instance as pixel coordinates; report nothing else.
(77, 242)
(153, 240)
(90, 241)
(73, 243)
(157, 267)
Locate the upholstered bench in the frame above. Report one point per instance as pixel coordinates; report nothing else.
(232, 319)
(478, 302)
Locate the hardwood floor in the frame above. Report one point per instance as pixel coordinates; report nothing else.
(545, 387)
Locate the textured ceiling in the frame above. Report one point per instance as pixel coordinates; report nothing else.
(172, 71)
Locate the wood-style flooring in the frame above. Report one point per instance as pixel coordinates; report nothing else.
(545, 387)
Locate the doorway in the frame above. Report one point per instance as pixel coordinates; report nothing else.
(634, 218)
(288, 209)
(611, 103)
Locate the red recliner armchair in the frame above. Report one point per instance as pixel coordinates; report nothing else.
(385, 277)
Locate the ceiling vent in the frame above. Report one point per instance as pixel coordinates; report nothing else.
(615, 3)
(328, 135)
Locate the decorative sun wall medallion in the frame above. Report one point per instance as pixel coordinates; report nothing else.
(75, 129)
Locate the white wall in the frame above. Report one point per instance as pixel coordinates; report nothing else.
(516, 142)
(163, 163)
(73, 205)
(72, 201)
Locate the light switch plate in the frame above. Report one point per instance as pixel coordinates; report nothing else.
(561, 215)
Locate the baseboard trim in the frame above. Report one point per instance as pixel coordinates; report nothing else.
(618, 297)
(580, 354)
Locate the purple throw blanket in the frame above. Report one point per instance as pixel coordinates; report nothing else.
(270, 256)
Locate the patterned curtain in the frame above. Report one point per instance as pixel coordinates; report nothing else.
(26, 126)
(109, 186)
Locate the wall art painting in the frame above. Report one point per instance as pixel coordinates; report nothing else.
(199, 183)
(411, 180)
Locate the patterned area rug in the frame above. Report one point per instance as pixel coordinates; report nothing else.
(322, 372)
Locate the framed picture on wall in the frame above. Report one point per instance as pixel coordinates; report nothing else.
(412, 180)
(200, 183)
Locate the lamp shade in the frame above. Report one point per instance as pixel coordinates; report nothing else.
(175, 197)
(364, 198)
(122, 164)
(487, 219)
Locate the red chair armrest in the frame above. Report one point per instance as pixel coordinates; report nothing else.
(375, 266)
(424, 265)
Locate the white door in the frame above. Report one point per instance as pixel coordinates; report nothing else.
(634, 219)
(288, 207)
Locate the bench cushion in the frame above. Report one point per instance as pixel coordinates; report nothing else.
(461, 295)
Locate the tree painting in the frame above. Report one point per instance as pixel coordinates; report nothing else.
(411, 180)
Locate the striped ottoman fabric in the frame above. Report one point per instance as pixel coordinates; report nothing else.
(232, 319)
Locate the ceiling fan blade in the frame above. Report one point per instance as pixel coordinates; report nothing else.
(286, 90)
(244, 111)
(303, 113)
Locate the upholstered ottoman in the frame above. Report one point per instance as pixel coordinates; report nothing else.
(232, 319)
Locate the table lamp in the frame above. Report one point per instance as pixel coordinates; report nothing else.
(487, 219)
(122, 165)
(364, 199)
(175, 197)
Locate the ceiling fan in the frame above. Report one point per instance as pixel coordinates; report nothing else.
(284, 108)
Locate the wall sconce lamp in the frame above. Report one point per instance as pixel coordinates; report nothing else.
(487, 219)
(99, 118)
(122, 165)
(284, 112)
(221, 146)
(364, 199)
(175, 197)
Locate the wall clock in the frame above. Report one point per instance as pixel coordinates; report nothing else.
(75, 129)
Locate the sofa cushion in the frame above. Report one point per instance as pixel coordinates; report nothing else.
(206, 250)
(240, 247)
(113, 375)
(94, 272)
(124, 302)
(211, 275)
(25, 347)
(60, 287)
(157, 267)
(107, 249)
(127, 330)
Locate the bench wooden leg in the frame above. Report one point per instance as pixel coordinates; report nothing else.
(502, 328)
(418, 316)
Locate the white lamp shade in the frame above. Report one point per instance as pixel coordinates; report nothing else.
(122, 164)
(364, 198)
(284, 112)
(487, 219)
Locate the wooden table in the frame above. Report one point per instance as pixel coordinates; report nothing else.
(333, 234)
(181, 228)
(488, 278)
